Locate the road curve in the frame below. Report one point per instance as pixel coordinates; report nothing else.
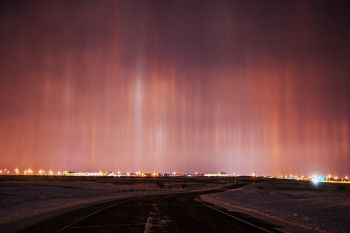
(180, 212)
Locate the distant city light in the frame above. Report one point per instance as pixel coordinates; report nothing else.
(41, 172)
(28, 172)
(315, 179)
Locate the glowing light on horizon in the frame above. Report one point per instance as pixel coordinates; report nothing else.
(315, 179)
(28, 172)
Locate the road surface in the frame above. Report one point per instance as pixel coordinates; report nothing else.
(159, 213)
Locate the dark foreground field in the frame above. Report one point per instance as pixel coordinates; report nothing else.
(180, 212)
(173, 204)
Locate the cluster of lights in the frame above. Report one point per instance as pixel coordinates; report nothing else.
(28, 171)
(315, 179)
(43, 172)
(119, 174)
(5, 171)
(155, 174)
(294, 177)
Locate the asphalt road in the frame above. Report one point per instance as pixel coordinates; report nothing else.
(159, 213)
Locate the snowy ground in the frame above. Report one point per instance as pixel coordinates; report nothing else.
(295, 206)
(31, 198)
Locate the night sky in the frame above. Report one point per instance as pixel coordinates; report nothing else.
(207, 86)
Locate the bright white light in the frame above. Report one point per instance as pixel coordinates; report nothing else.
(315, 179)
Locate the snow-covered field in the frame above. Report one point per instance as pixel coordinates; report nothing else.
(295, 206)
(25, 198)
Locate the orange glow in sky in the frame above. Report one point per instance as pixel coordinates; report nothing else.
(175, 85)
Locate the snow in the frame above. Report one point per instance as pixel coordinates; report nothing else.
(22, 199)
(296, 206)
(26, 201)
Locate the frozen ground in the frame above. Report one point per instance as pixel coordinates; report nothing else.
(295, 206)
(25, 198)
